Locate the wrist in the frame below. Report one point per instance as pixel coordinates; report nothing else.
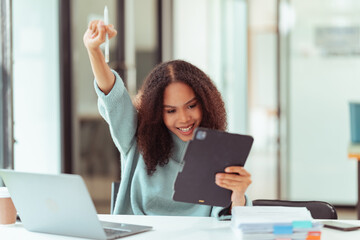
(94, 51)
(239, 199)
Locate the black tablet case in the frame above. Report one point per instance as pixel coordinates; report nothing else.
(209, 152)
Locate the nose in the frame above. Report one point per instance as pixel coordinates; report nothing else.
(183, 116)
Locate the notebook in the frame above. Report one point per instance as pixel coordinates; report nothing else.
(208, 153)
(60, 204)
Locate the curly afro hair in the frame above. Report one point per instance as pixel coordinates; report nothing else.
(153, 137)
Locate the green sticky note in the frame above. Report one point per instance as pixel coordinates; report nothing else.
(302, 224)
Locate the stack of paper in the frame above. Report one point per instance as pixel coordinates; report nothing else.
(275, 223)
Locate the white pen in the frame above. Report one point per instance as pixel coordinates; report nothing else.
(106, 21)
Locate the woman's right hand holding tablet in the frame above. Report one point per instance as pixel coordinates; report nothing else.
(94, 36)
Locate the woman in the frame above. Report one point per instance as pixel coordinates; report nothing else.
(175, 98)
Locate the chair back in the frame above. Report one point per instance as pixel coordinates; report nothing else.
(318, 209)
(114, 192)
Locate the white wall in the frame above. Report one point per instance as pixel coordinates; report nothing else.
(36, 86)
(212, 35)
(191, 32)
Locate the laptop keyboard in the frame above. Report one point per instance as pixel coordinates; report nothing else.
(113, 234)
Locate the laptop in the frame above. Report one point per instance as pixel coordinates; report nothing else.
(60, 204)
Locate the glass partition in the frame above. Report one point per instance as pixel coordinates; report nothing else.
(323, 69)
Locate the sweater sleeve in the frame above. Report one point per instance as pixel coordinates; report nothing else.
(118, 111)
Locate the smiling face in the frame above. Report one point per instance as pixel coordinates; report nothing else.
(182, 111)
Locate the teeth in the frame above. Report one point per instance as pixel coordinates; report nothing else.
(186, 129)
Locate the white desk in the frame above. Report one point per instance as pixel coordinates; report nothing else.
(169, 228)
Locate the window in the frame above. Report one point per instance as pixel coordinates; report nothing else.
(6, 136)
(36, 86)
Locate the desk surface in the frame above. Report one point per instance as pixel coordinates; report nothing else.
(170, 228)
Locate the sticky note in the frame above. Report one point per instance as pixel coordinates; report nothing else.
(315, 235)
(302, 224)
(283, 229)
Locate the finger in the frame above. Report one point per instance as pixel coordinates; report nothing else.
(223, 185)
(228, 185)
(112, 33)
(92, 24)
(94, 35)
(234, 187)
(229, 176)
(101, 30)
(237, 169)
(234, 183)
(232, 179)
(88, 36)
(92, 31)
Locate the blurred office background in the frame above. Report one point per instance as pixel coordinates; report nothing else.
(287, 70)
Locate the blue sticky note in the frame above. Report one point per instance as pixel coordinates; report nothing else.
(283, 229)
(302, 224)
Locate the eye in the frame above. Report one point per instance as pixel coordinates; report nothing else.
(192, 106)
(170, 111)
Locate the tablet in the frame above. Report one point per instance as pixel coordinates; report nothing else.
(208, 153)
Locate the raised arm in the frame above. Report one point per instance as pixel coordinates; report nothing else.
(114, 102)
(93, 38)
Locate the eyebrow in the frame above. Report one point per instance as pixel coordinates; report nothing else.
(169, 106)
